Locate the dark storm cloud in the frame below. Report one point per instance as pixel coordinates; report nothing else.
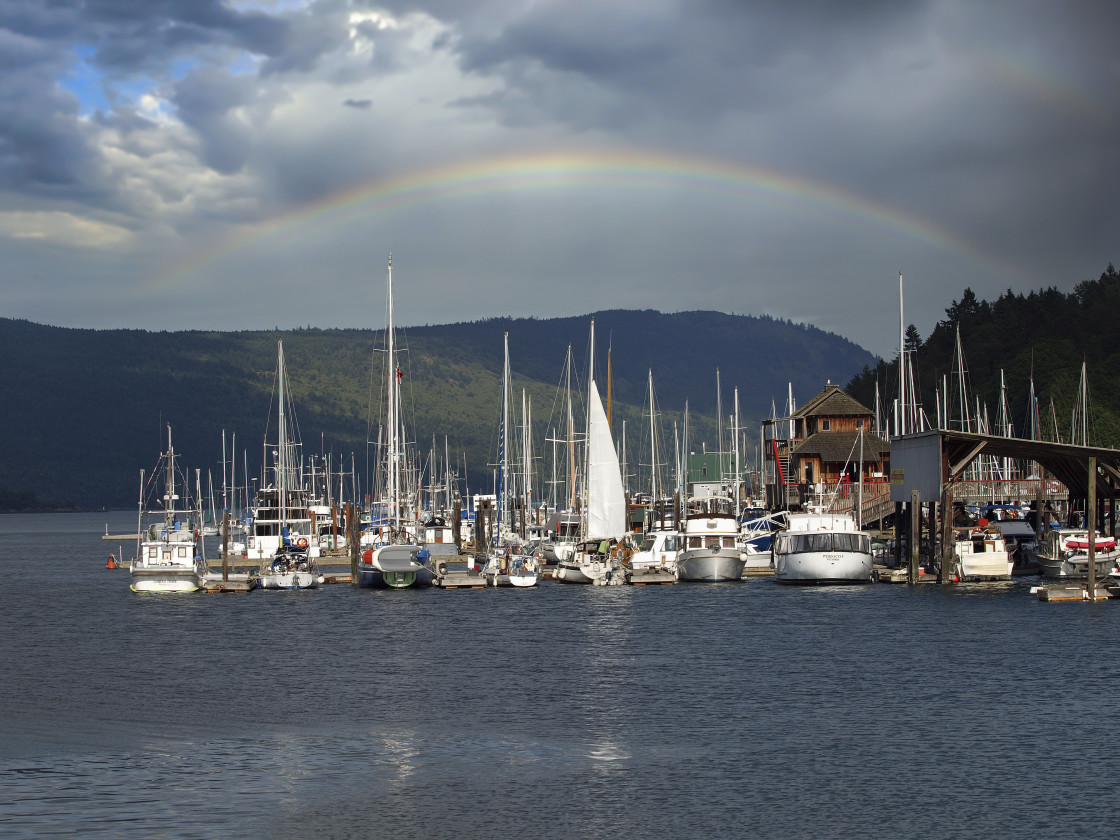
(993, 122)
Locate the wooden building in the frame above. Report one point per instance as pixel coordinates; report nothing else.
(820, 444)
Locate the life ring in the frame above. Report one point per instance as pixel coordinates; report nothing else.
(302, 542)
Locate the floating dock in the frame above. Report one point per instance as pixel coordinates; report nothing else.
(1074, 592)
(652, 577)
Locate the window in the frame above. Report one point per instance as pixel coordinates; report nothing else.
(859, 424)
(826, 425)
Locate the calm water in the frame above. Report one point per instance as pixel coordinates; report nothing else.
(745, 710)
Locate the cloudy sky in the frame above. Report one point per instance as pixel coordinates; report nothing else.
(197, 164)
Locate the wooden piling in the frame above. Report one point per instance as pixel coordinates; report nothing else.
(353, 539)
(945, 573)
(225, 546)
(915, 534)
(1091, 527)
(898, 535)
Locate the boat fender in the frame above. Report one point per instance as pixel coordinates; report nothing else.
(302, 542)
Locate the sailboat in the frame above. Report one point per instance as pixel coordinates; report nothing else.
(400, 562)
(506, 565)
(168, 547)
(604, 519)
(291, 565)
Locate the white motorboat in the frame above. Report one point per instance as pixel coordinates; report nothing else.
(981, 554)
(168, 545)
(658, 552)
(1065, 554)
(711, 552)
(818, 547)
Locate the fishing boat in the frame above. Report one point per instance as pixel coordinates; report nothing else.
(981, 554)
(821, 547)
(1065, 554)
(168, 543)
(711, 552)
(290, 566)
(400, 561)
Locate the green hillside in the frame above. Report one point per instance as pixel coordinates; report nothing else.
(86, 410)
(1047, 334)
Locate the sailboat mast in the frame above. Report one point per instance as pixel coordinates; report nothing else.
(503, 443)
(901, 360)
(571, 435)
(282, 462)
(654, 489)
(393, 473)
(587, 427)
(169, 507)
(735, 447)
(527, 448)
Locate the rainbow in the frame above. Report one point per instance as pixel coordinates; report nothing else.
(567, 170)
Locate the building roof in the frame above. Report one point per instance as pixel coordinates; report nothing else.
(838, 447)
(833, 402)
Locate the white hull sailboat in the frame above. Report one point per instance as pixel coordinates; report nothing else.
(605, 510)
(506, 565)
(291, 565)
(400, 562)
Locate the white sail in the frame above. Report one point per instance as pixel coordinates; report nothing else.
(606, 500)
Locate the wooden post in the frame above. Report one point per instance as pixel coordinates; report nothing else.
(915, 535)
(225, 546)
(898, 535)
(353, 539)
(456, 525)
(1038, 506)
(931, 529)
(1091, 527)
(945, 573)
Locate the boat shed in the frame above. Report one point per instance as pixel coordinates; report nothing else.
(926, 466)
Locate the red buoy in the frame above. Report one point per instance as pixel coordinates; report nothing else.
(111, 563)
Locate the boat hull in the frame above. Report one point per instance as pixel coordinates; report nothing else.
(1077, 567)
(165, 582)
(524, 579)
(395, 567)
(289, 580)
(827, 567)
(567, 572)
(706, 565)
(987, 565)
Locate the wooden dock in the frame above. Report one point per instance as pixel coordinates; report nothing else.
(1074, 592)
(652, 577)
(460, 579)
(239, 584)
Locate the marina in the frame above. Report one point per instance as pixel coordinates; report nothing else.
(773, 668)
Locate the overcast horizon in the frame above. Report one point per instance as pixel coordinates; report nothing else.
(197, 165)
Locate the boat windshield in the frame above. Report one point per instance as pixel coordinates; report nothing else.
(824, 541)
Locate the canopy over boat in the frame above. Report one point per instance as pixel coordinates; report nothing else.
(1099, 544)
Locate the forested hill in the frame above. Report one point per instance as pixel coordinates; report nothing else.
(85, 410)
(1047, 334)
